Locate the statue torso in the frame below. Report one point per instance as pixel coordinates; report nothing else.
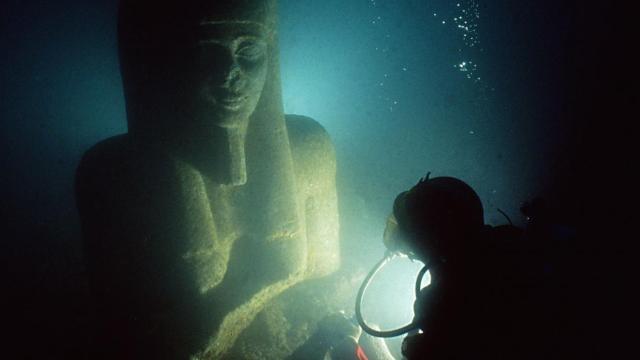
(193, 245)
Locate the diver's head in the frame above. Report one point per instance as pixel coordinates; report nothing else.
(434, 218)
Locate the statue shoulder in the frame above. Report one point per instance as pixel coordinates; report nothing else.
(105, 156)
(108, 147)
(116, 164)
(311, 145)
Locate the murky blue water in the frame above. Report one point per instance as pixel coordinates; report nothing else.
(491, 92)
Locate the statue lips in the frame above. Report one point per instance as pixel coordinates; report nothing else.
(230, 101)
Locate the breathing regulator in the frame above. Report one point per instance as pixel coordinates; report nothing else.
(385, 333)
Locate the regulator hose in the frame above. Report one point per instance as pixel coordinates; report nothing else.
(367, 280)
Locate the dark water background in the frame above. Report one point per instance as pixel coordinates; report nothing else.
(549, 117)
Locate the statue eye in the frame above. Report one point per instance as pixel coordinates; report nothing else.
(251, 50)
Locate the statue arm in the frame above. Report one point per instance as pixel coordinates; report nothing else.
(99, 196)
(315, 167)
(132, 244)
(107, 243)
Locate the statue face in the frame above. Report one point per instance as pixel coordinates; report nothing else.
(231, 68)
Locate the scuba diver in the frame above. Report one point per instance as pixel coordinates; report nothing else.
(487, 295)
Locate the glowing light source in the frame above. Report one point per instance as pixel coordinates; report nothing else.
(389, 299)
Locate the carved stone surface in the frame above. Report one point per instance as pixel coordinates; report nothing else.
(214, 202)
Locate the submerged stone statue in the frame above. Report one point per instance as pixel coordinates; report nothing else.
(214, 202)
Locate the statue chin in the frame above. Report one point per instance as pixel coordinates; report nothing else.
(234, 121)
(232, 115)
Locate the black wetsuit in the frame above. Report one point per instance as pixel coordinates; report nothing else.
(489, 301)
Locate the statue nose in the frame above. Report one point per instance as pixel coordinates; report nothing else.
(233, 79)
